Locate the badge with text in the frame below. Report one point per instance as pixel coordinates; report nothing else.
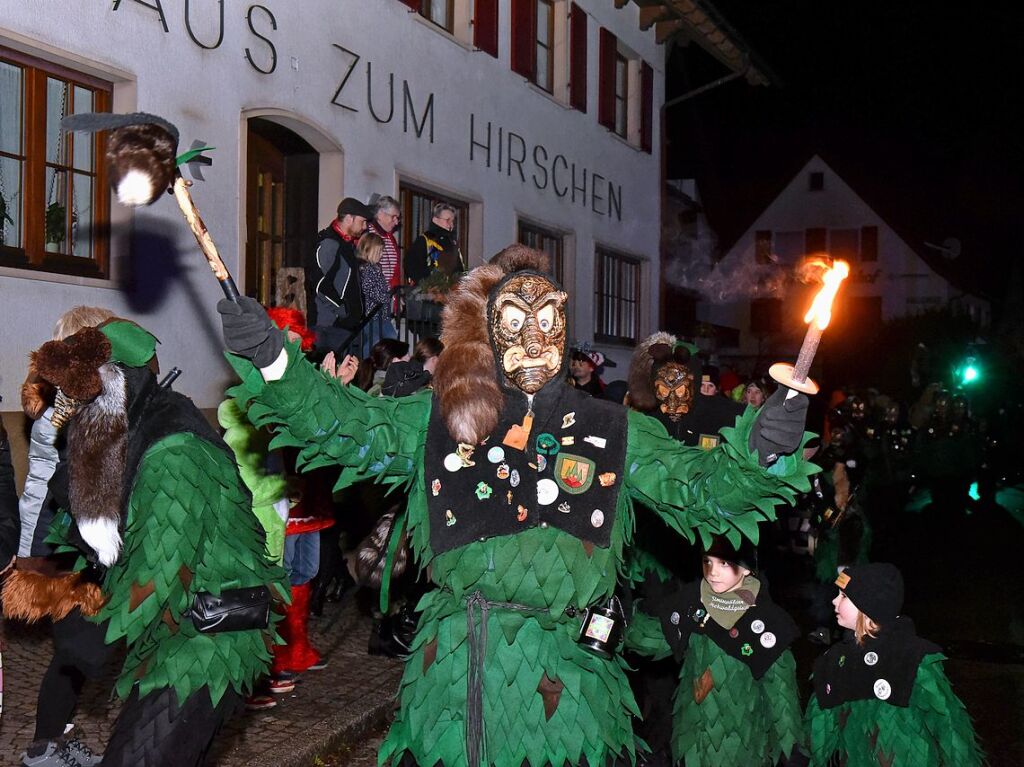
(574, 473)
(709, 441)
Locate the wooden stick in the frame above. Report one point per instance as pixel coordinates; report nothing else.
(202, 235)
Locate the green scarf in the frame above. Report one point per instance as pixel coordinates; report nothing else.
(726, 609)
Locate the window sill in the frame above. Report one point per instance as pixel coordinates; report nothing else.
(547, 94)
(450, 36)
(635, 147)
(38, 274)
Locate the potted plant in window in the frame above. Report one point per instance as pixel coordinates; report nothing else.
(5, 218)
(56, 223)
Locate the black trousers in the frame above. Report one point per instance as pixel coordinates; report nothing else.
(154, 731)
(79, 653)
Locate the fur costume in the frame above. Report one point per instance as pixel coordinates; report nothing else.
(520, 506)
(158, 500)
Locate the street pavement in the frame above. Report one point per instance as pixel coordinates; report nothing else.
(341, 703)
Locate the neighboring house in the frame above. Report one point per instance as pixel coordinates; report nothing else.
(893, 273)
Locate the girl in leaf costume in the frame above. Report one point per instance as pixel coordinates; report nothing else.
(520, 506)
(157, 500)
(880, 696)
(737, 703)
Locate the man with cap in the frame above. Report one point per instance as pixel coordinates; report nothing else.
(880, 695)
(583, 366)
(334, 303)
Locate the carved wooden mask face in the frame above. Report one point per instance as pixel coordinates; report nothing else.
(528, 328)
(673, 388)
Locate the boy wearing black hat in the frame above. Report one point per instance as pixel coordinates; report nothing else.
(880, 695)
(737, 703)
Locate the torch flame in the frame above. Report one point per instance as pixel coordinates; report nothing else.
(821, 310)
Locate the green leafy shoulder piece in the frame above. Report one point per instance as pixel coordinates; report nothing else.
(334, 424)
(934, 729)
(189, 528)
(644, 635)
(721, 491)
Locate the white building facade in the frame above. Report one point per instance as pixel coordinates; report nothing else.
(819, 214)
(550, 136)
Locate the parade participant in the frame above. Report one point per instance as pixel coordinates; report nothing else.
(157, 500)
(663, 378)
(881, 696)
(755, 392)
(737, 703)
(521, 492)
(45, 584)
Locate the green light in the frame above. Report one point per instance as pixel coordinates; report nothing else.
(970, 374)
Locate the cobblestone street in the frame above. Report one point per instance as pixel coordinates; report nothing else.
(339, 703)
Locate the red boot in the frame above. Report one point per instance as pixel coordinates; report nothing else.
(298, 655)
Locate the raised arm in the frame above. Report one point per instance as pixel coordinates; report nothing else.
(330, 423)
(721, 491)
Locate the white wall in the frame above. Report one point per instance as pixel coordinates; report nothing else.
(209, 93)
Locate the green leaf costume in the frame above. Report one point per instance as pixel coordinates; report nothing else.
(189, 528)
(934, 729)
(546, 699)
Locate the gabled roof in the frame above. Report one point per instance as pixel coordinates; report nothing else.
(902, 211)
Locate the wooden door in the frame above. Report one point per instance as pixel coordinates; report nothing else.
(265, 218)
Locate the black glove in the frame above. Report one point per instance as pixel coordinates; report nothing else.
(779, 427)
(249, 332)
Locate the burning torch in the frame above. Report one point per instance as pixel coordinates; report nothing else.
(143, 164)
(817, 319)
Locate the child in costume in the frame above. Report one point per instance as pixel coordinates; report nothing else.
(737, 703)
(880, 695)
(520, 505)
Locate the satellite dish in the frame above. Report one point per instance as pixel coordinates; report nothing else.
(950, 248)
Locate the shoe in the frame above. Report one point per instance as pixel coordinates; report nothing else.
(81, 753)
(50, 755)
(282, 684)
(260, 702)
(320, 665)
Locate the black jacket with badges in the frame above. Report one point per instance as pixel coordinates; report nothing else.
(701, 426)
(568, 474)
(764, 626)
(884, 667)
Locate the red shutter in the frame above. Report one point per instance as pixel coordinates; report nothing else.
(646, 106)
(606, 80)
(485, 26)
(578, 58)
(414, 4)
(524, 37)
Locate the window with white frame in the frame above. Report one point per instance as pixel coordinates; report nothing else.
(625, 93)
(617, 296)
(547, 240)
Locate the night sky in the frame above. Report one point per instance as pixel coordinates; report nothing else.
(917, 106)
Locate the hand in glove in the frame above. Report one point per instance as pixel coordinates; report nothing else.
(779, 426)
(249, 332)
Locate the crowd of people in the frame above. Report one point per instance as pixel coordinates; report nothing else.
(516, 527)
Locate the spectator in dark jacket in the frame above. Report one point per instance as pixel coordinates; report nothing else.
(436, 249)
(375, 292)
(334, 304)
(9, 526)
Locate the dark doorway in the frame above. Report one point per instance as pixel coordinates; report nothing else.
(282, 183)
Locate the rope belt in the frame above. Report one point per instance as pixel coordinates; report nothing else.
(477, 638)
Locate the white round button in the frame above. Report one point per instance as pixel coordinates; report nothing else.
(513, 478)
(871, 658)
(547, 492)
(597, 518)
(757, 626)
(767, 639)
(452, 462)
(674, 618)
(882, 689)
(496, 454)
